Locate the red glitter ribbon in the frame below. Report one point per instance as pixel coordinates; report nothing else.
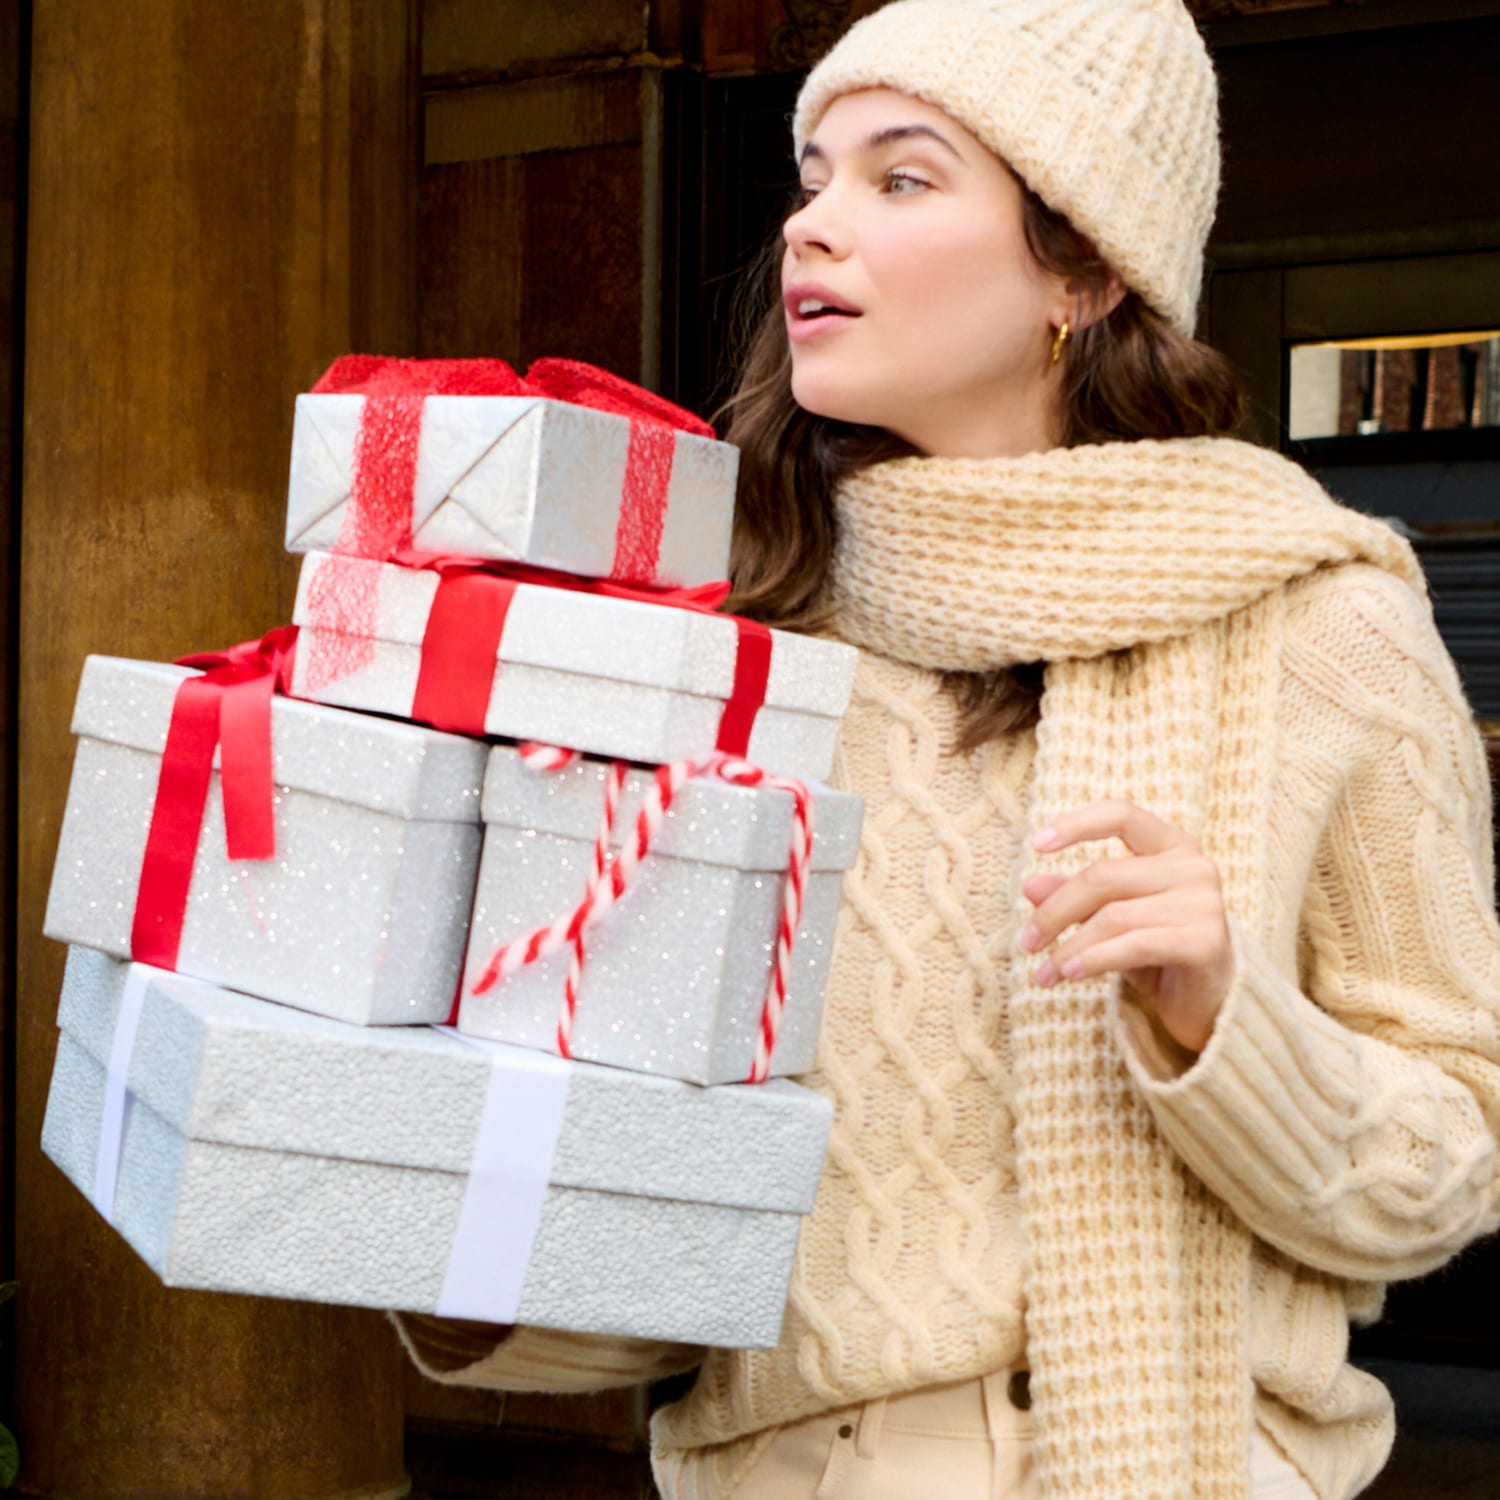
(461, 642)
(226, 708)
(378, 518)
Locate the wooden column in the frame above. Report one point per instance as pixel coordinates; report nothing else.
(12, 73)
(222, 198)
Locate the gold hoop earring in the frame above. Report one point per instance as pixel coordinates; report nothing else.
(1059, 341)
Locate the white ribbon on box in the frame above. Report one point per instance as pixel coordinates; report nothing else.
(117, 1096)
(526, 1097)
(524, 1103)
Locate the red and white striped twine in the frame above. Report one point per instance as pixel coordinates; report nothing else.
(793, 893)
(614, 779)
(545, 757)
(608, 881)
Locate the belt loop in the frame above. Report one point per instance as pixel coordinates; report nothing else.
(992, 1393)
(1002, 1411)
(871, 1420)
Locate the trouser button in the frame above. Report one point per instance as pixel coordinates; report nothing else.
(1018, 1389)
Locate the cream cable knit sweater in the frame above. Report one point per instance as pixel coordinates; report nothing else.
(1014, 1170)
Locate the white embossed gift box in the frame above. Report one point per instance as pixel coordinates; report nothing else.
(246, 1147)
(675, 974)
(393, 453)
(608, 676)
(363, 911)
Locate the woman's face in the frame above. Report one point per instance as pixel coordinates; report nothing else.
(942, 322)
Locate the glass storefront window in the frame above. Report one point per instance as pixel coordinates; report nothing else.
(1421, 383)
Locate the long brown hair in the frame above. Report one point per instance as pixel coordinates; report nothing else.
(1127, 376)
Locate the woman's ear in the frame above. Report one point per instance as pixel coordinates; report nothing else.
(1097, 301)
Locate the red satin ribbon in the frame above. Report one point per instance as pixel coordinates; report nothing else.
(378, 519)
(467, 622)
(752, 671)
(227, 707)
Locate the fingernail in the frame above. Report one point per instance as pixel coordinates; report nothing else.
(1046, 974)
(1044, 838)
(1031, 937)
(1073, 968)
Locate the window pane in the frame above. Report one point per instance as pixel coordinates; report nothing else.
(1426, 383)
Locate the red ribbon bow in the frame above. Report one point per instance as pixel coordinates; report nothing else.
(378, 520)
(226, 708)
(570, 380)
(465, 626)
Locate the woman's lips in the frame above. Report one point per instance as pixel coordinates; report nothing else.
(832, 312)
(800, 330)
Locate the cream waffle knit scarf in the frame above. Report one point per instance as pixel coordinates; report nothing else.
(1148, 576)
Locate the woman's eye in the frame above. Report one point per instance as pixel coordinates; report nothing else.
(903, 184)
(805, 194)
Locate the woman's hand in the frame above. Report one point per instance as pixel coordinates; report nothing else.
(1156, 917)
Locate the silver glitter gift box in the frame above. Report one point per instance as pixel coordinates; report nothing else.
(675, 975)
(363, 912)
(606, 676)
(265, 1151)
(520, 479)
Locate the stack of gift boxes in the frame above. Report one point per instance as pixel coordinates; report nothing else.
(448, 952)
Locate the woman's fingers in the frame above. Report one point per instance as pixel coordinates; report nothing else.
(1140, 831)
(1106, 881)
(1149, 932)
(1039, 887)
(1156, 915)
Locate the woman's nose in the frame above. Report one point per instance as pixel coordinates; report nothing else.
(816, 226)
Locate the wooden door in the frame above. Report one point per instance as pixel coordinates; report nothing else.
(221, 200)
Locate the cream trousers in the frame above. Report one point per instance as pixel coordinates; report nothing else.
(967, 1441)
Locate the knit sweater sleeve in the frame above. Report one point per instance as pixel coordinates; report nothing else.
(1349, 1115)
(456, 1351)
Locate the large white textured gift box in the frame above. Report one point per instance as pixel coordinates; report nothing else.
(519, 478)
(244, 1147)
(607, 676)
(675, 975)
(363, 911)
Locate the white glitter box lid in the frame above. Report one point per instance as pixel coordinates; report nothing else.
(517, 478)
(612, 677)
(364, 911)
(407, 770)
(270, 1153)
(222, 1066)
(710, 821)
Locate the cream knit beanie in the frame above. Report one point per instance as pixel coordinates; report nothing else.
(1108, 109)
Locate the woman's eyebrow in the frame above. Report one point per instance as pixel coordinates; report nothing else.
(813, 151)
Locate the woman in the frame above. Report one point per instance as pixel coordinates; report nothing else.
(1164, 1025)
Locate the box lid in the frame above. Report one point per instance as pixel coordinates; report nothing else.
(621, 639)
(456, 433)
(387, 765)
(220, 1066)
(745, 828)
